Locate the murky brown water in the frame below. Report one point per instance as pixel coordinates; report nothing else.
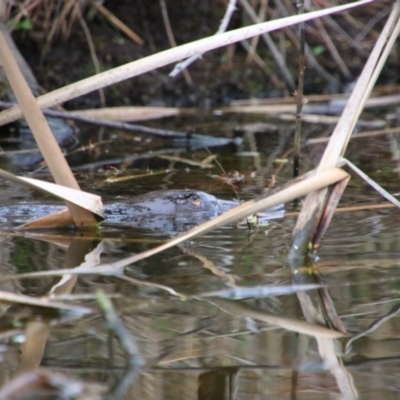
(191, 347)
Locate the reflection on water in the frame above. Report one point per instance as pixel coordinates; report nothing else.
(200, 347)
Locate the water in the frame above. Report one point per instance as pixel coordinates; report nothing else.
(191, 346)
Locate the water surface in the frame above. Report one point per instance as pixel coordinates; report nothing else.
(190, 345)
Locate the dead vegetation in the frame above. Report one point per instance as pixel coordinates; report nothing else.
(322, 187)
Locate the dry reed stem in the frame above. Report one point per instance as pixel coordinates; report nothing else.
(262, 13)
(158, 60)
(42, 132)
(222, 28)
(276, 54)
(15, 298)
(118, 23)
(263, 65)
(79, 198)
(299, 91)
(92, 50)
(333, 50)
(298, 189)
(361, 135)
(290, 324)
(286, 8)
(314, 202)
(290, 193)
(171, 37)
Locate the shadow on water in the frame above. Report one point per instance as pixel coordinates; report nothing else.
(245, 340)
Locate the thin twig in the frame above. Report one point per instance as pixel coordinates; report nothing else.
(312, 61)
(118, 23)
(116, 325)
(92, 52)
(263, 65)
(116, 125)
(333, 50)
(271, 45)
(222, 28)
(361, 135)
(300, 88)
(371, 182)
(171, 38)
(373, 327)
(262, 12)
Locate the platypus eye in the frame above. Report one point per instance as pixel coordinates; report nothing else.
(195, 199)
(191, 198)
